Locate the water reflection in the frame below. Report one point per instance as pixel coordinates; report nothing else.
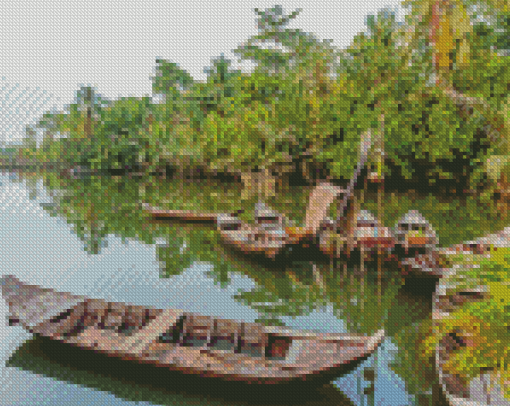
(147, 384)
(90, 237)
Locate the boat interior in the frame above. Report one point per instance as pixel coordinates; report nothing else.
(404, 227)
(117, 317)
(229, 223)
(187, 330)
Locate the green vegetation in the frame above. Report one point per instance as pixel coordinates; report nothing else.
(482, 325)
(303, 109)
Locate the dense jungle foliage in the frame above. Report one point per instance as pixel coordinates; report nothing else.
(435, 90)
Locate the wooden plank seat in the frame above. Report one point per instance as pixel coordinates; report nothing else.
(111, 341)
(225, 335)
(111, 328)
(74, 320)
(96, 311)
(158, 332)
(125, 319)
(253, 340)
(196, 331)
(136, 318)
(64, 324)
(114, 317)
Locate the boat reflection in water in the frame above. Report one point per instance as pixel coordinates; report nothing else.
(140, 383)
(367, 234)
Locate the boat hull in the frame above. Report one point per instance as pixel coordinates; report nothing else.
(480, 391)
(186, 342)
(251, 240)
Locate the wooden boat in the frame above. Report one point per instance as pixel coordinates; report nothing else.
(367, 234)
(434, 262)
(268, 236)
(254, 240)
(482, 245)
(267, 218)
(186, 342)
(481, 390)
(181, 215)
(414, 233)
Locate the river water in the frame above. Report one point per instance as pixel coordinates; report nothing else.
(89, 237)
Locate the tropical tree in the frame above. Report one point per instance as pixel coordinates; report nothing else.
(77, 126)
(406, 74)
(123, 132)
(295, 81)
(472, 77)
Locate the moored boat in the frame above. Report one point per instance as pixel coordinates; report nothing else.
(481, 390)
(268, 219)
(482, 245)
(187, 342)
(268, 236)
(432, 264)
(180, 215)
(414, 233)
(367, 234)
(370, 234)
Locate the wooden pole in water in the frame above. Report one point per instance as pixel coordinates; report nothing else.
(319, 280)
(362, 247)
(380, 173)
(366, 142)
(362, 270)
(351, 224)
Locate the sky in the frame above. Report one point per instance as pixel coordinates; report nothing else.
(49, 49)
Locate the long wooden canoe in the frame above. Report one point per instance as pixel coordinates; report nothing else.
(186, 342)
(481, 390)
(483, 244)
(434, 263)
(252, 239)
(268, 236)
(181, 215)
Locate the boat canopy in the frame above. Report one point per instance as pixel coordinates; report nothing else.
(366, 219)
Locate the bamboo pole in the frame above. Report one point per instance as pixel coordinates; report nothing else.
(362, 270)
(366, 141)
(319, 280)
(380, 187)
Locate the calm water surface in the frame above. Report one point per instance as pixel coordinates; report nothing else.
(89, 237)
